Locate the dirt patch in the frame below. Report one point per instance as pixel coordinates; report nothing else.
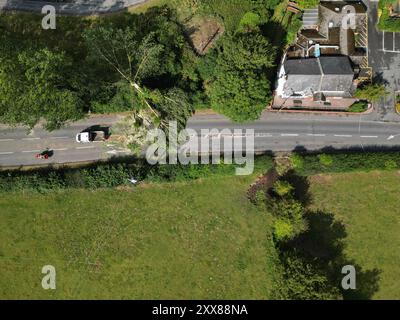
(264, 183)
(203, 32)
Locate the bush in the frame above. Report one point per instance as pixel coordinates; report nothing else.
(347, 162)
(360, 106)
(283, 188)
(325, 159)
(297, 160)
(390, 164)
(113, 175)
(283, 229)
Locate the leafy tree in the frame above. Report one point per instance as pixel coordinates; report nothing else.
(33, 86)
(304, 280)
(239, 87)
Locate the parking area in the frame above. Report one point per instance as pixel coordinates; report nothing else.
(390, 42)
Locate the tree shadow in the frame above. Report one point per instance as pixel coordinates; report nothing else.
(323, 244)
(301, 187)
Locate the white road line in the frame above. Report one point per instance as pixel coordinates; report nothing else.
(30, 151)
(30, 139)
(61, 149)
(60, 137)
(6, 153)
(289, 135)
(6, 140)
(343, 135)
(316, 135)
(263, 135)
(88, 147)
(369, 136)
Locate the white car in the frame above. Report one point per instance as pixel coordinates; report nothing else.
(90, 136)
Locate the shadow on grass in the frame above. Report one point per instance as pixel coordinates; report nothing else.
(323, 245)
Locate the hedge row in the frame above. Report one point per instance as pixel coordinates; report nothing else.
(345, 162)
(112, 175)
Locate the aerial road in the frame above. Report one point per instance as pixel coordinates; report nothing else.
(272, 133)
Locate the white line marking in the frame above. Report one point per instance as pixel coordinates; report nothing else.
(289, 135)
(30, 138)
(30, 151)
(61, 149)
(343, 135)
(6, 152)
(60, 137)
(88, 147)
(6, 140)
(369, 136)
(316, 135)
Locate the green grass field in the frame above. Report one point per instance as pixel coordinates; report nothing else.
(197, 240)
(183, 241)
(368, 206)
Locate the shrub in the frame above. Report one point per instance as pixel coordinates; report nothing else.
(360, 106)
(297, 160)
(390, 165)
(283, 188)
(325, 159)
(347, 162)
(283, 230)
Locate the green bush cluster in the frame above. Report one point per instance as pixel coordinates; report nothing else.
(113, 175)
(344, 162)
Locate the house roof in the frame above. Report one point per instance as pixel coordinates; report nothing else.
(336, 65)
(324, 74)
(302, 66)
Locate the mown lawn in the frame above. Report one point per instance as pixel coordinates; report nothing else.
(195, 240)
(368, 206)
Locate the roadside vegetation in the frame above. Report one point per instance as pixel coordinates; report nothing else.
(371, 92)
(112, 63)
(359, 106)
(386, 21)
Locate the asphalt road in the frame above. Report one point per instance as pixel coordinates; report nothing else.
(384, 58)
(18, 146)
(273, 132)
(79, 7)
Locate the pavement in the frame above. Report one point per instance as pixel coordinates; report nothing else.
(77, 7)
(384, 58)
(18, 145)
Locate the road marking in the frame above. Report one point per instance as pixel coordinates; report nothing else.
(343, 135)
(30, 151)
(369, 136)
(289, 135)
(316, 135)
(30, 138)
(61, 137)
(263, 135)
(61, 149)
(6, 153)
(88, 147)
(6, 140)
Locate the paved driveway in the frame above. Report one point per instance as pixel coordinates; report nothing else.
(384, 58)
